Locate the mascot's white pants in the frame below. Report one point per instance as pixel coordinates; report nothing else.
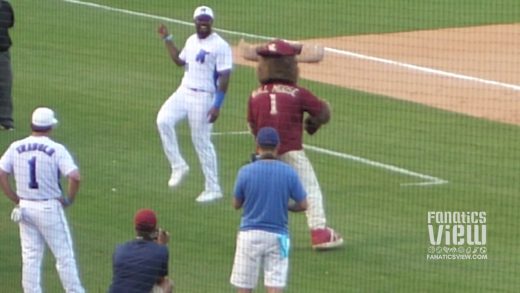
(194, 105)
(315, 212)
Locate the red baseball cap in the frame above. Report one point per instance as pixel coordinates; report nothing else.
(279, 47)
(145, 220)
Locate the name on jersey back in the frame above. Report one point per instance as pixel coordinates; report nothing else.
(35, 147)
(277, 88)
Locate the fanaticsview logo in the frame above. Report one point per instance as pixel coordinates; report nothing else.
(457, 235)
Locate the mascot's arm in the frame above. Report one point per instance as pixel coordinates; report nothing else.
(313, 123)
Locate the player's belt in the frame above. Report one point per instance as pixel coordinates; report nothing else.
(36, 199)
(198, 90)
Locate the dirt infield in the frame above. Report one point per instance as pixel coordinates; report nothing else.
(475, 71)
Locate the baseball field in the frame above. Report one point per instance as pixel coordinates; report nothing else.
(426, 114)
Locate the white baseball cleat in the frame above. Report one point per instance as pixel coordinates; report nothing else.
(208, 196)
(177, 175)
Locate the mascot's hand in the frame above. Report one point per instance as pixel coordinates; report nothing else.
(311, 125)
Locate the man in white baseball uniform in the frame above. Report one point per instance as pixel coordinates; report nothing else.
(37, 163)
(207, 61)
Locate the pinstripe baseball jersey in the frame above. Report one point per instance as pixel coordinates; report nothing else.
(37, 163)
(204, 58)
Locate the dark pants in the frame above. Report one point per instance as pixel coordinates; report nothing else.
(6, 85)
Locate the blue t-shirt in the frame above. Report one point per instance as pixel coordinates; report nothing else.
(266, 186)
(137, 265)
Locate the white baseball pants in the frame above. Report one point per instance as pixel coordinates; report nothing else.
(45, 222)
(315, 212)
(195, 106)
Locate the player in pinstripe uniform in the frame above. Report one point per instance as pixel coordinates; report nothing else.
(37, 162)
(207, 61)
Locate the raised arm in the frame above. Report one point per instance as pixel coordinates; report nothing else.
(173, 51)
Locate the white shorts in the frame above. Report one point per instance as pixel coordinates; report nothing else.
(256, 248)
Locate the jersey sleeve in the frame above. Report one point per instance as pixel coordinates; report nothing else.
(310, 103)
(65, 162)
(182, 54)
(6, 161)
(224, 58)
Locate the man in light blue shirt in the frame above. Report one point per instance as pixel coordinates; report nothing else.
(264, 189)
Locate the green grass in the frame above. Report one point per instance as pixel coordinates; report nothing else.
(293, 19)
(107, 74)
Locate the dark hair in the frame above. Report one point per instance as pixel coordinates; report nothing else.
(269, 148)
(40, 128)
(277, 68)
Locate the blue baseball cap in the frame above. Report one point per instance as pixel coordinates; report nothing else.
(268, 136)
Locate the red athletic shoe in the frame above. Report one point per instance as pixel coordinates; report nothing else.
(325, 239)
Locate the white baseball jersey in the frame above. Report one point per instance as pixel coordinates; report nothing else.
(204, 58)
(37, 163)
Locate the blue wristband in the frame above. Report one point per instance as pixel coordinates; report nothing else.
(66, 201)
(219, 99)
(168, 38)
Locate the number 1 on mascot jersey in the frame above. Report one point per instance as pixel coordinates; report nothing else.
(273, 110)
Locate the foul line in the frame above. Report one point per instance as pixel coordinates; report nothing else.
(430, 180)
(425, 69)
(331, 50)
(167, 19)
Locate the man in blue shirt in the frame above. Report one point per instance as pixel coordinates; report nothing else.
(142, 263)
(264, 189)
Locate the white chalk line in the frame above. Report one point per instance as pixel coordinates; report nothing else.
(430, 180)
(426, 69)
(331, 50)
(230, 133)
